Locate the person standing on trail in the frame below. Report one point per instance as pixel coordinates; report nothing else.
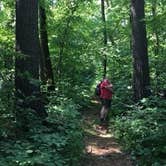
(106, 97)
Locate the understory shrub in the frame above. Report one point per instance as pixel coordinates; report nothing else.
(57, 141)
(142, 131)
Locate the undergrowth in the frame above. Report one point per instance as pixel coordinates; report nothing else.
(56, 141)
(141, 130)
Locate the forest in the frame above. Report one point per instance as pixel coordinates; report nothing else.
(53, 53)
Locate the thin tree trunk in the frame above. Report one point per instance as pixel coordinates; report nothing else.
(0, 5)
(157, 45)
(108, 3)
(157, 42)
(46, 67)
(141, 81)
(104, 37)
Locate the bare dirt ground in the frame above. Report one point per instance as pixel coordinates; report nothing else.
(102, 148)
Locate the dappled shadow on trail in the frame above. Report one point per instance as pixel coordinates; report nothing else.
(102, 148)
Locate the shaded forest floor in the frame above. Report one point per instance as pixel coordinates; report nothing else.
(102, 149)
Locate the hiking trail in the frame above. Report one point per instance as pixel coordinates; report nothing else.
(101, 148)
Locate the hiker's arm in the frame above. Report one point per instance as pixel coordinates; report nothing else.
(109, 87)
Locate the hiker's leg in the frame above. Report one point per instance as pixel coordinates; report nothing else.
(101, 110)
(105, 113)
(102, 113)
(107, 119)
(108, 110)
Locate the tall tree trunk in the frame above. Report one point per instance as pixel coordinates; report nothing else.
(157, 42)
(27, 64)
(46, 67)
(141, 81)
(157, 45)
(104, 37)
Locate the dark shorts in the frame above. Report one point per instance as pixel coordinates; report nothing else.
(106, 102)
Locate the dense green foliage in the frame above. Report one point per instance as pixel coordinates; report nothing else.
(75, 32)
(58, 141)
(142, 131)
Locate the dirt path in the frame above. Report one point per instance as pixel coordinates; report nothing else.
(102, 148)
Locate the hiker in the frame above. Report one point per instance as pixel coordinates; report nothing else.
(105, 96)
